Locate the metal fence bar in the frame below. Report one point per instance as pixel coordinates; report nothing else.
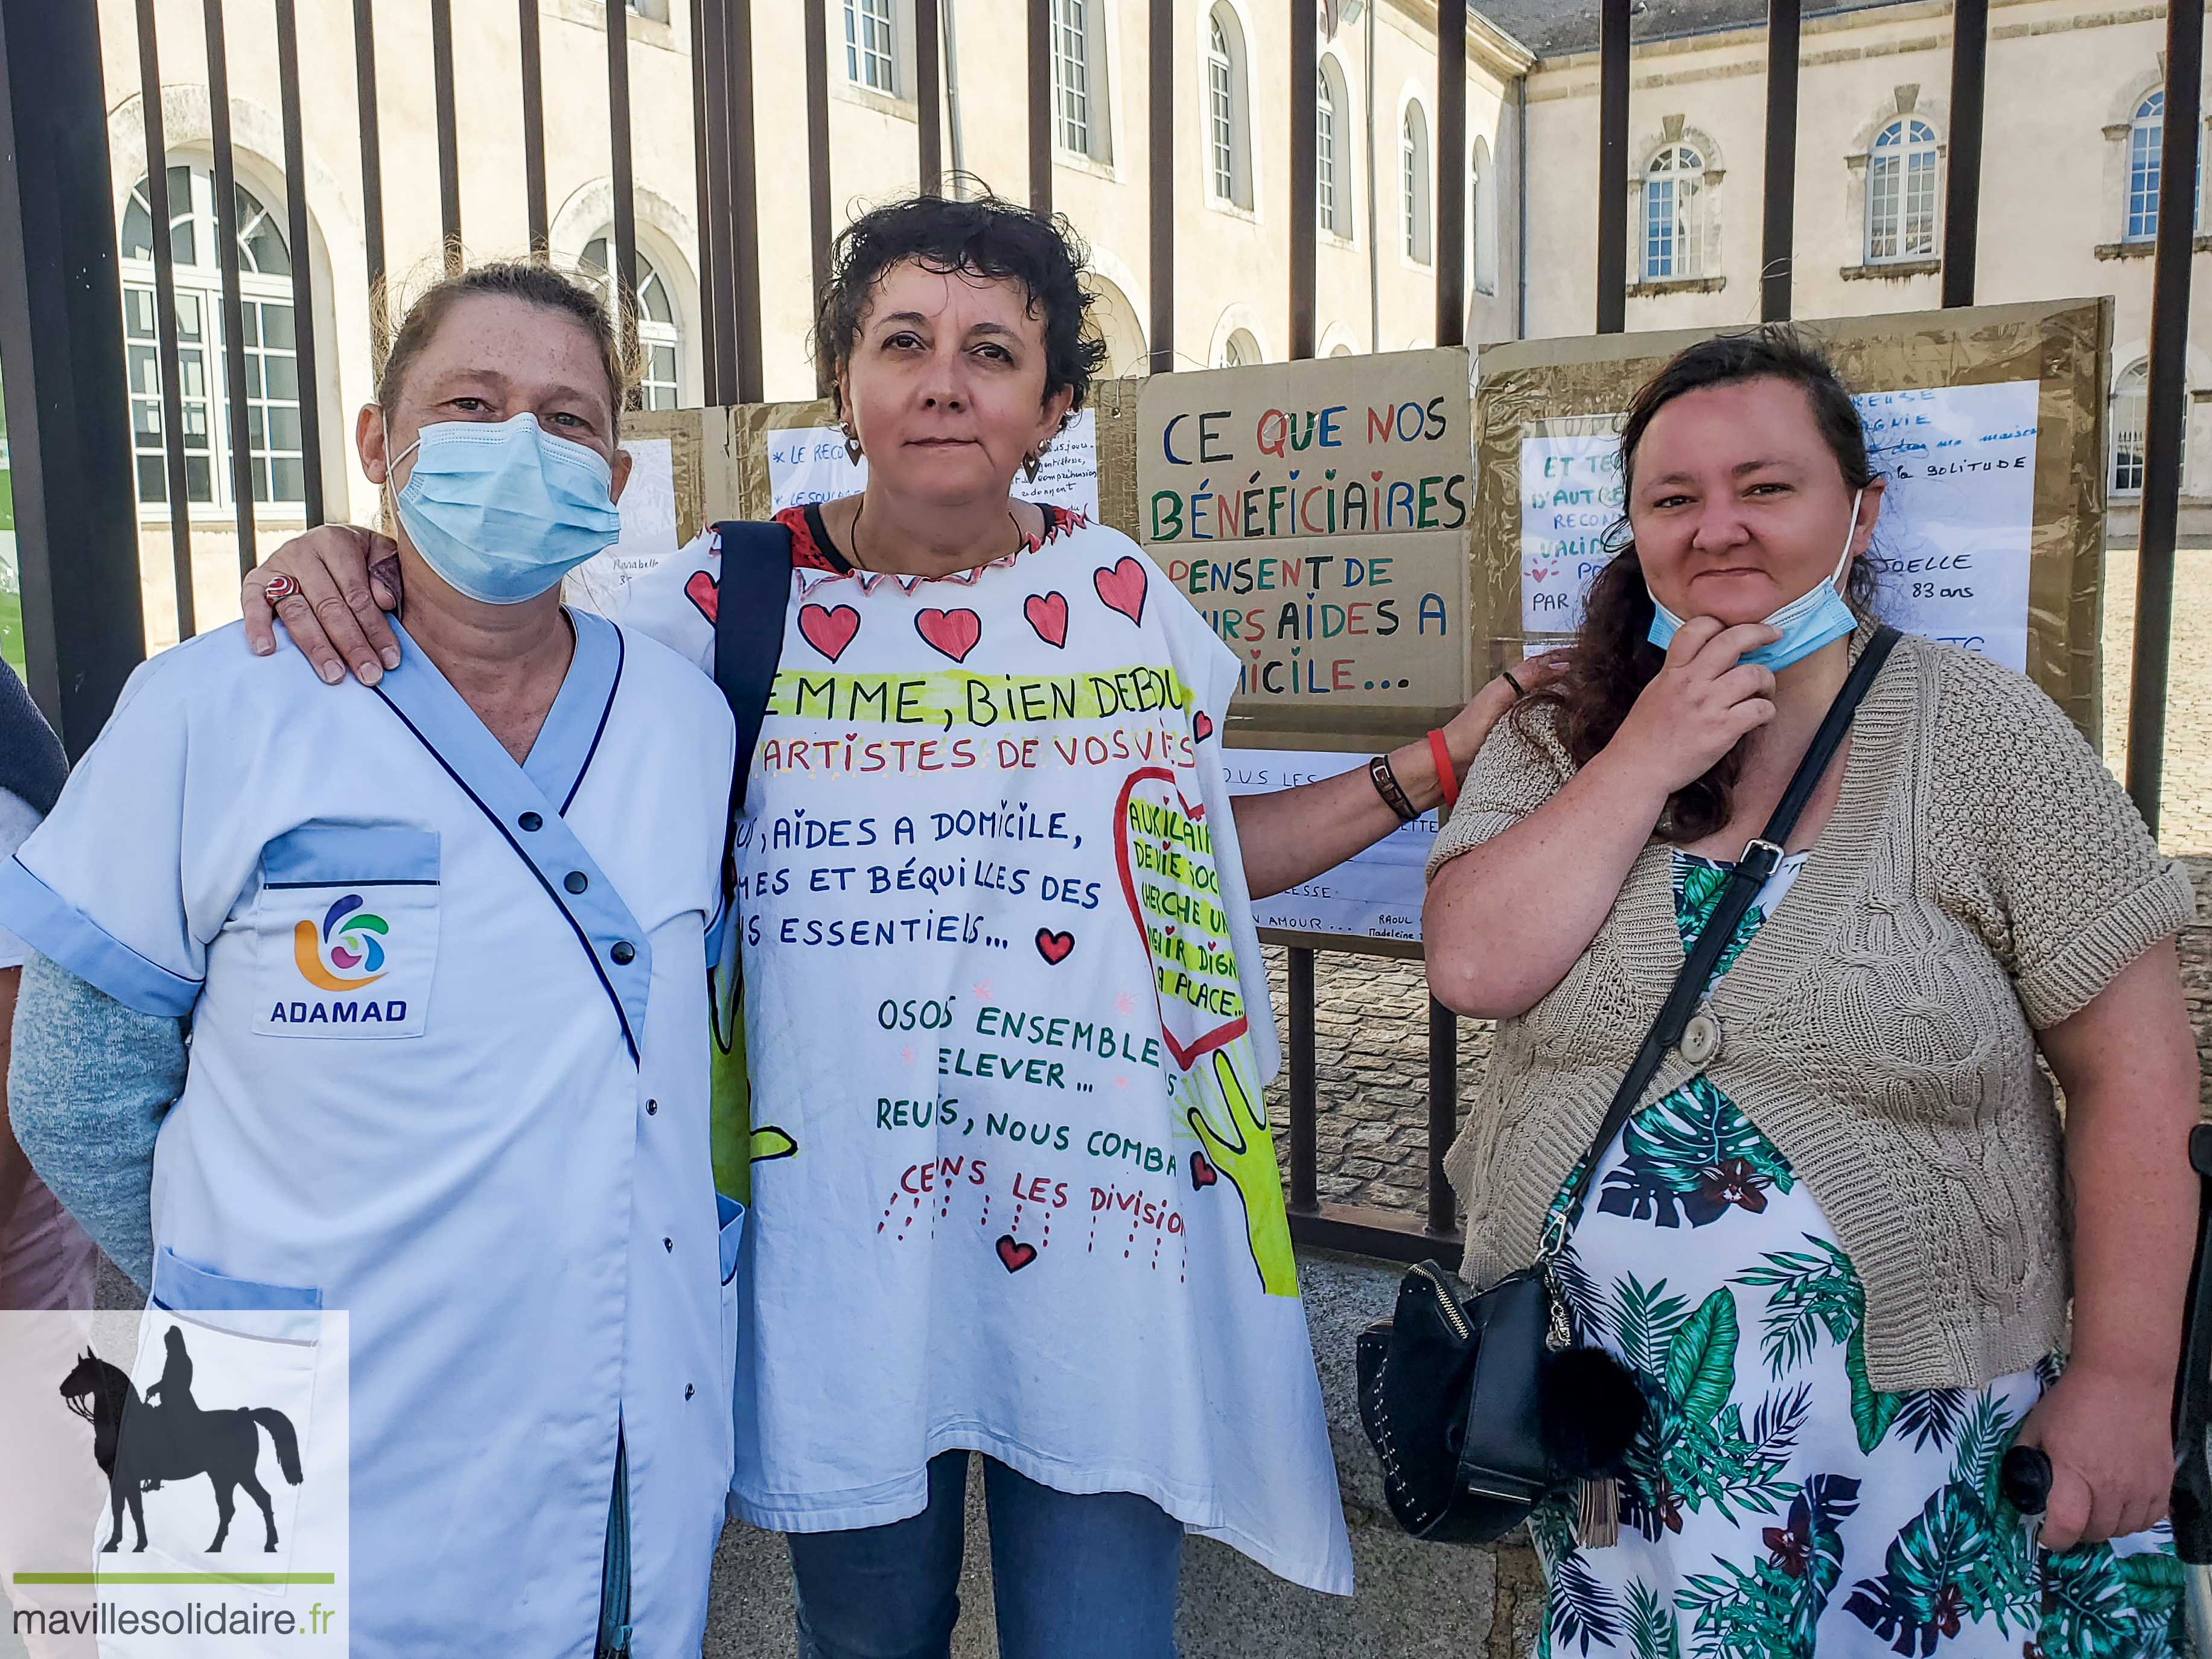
(707, 139)
(2165, 411)
(1612, 166)
(1305, 188)
(165, 323)
(625, 187)
(1778, 229)
(371, 175)
(61, 335)
(236, 424)
(818, 157)
(1305, 1103)
(307, 386)
(1962, 188)
(1041, 45)
(449, 154)
(533, 125)
(743, 198)
(1451, 174)
(1160, 112)
(1443, 1113)
(928, 94)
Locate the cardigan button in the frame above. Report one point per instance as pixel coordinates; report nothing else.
(1701, 1040)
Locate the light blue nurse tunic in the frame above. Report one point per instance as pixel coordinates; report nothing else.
(447, 1073)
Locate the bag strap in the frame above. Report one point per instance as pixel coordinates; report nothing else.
(1760, 860)
(751, 600)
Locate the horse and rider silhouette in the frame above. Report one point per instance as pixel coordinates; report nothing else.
(139, 1444)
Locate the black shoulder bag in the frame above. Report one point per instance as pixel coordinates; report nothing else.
(751, 600)
(1479, 1408)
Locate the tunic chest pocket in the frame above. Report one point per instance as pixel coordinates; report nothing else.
(346, 931)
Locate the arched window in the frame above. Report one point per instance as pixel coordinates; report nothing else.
(660, 331)
(1675, 214)
(2146, 141)
(272, 375)
(871, 45)
(1481, 260)
(2131, 425)
(1332, 171)
(1228, 121)
(1901, 193)
(1413, 170)
(1079, 79)
(1240, 350)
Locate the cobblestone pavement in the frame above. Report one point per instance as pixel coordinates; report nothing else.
(1370, 1021)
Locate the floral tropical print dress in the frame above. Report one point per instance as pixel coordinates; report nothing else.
(1776, 1501)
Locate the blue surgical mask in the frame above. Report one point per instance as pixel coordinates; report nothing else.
(503, 511)
(1808, 623)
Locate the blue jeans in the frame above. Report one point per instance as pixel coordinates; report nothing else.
(1091, 1578)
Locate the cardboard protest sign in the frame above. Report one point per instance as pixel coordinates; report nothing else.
(1316, 513)
(1989, 423)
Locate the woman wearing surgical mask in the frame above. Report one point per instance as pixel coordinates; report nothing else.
(441, 947)
(1837, 1238)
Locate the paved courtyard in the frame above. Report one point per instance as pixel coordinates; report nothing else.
(1370, 1025)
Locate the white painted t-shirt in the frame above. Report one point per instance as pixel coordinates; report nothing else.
(1008, 1031)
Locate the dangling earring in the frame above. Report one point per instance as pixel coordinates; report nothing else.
(852, 444)
(1032, 463)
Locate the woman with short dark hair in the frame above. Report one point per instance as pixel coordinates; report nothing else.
(1006, 1018)
(1836, 1238)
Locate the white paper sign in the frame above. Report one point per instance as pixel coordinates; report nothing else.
(1953, 541)
(1570, 500)
(808, 463)
(1953, 545)
(649, 524)
(1375, 893)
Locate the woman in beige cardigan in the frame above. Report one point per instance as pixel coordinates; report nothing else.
(1834, 1239)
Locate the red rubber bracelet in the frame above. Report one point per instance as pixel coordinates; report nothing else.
(1445, 778)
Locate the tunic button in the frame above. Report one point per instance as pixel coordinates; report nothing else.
(530, 821)
(624, 952)
(652, 1109)
(689, 1390)
(667, 1243)
(576, 881)
(1701, 1039)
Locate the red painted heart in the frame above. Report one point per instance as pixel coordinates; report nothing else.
(1123, 588)
(1202, 1173)
(1053, 947)
(702, 592)
(952, 632)
(1014, 1255)
(1538, 575)
(828, 631)
(1202, 727)
(1047, 614)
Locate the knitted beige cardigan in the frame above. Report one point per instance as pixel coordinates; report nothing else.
(1983, 878)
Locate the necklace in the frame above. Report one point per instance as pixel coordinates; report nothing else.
(1021, 540)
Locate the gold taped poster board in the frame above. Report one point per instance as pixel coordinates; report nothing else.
(1316, 513)
(1993, 388)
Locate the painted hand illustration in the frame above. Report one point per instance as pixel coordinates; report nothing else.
(1245, 1153)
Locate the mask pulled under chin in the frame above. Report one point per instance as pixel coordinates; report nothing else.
(502, 511)
(1808, 622)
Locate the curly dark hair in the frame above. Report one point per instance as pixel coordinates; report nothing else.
(986, 235)
(1613, 659)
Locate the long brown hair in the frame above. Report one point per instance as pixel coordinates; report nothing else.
(1613, 659)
